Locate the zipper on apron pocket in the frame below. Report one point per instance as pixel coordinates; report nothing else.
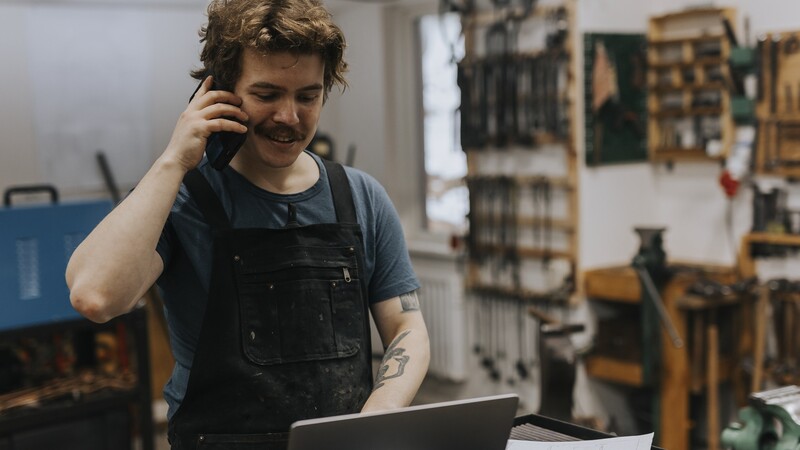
(346, 275)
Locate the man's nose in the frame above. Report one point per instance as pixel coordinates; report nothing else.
(287, 113)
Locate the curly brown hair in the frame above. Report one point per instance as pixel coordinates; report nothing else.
(297, 26)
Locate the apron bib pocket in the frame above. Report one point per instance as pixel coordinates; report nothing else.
(300, 309)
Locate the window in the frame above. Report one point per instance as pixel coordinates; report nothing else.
(446, 198)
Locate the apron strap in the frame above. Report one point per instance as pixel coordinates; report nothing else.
(207, 200)
(342, 195)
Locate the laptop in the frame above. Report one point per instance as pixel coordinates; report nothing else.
(482, 423)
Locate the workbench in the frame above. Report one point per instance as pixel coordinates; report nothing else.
(102, 420)
(674, 374)
(754, 339)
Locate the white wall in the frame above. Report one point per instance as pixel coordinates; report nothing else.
(18, 163)
(378, 113)
(168, 48)
(358, 116)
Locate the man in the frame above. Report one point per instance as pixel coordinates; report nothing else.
(268, 267)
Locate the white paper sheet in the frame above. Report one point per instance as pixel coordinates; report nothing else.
(643, 442)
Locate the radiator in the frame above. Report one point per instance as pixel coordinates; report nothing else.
(442, 303)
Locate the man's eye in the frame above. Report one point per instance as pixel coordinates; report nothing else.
(267, 97)
(307, 98)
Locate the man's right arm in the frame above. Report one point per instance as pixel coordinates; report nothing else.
(115, 265)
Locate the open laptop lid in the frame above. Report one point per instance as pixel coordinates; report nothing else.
(482, 423)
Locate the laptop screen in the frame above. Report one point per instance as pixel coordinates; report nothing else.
(482, 423)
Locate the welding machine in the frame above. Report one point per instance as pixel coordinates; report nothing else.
(36, 242)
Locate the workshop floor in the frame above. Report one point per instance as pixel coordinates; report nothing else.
(431, 391)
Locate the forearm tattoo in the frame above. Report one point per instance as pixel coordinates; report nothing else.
(394, 361)
(409, 301)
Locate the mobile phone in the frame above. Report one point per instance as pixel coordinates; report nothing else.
(222, 146)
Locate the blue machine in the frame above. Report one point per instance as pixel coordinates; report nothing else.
(36, 241)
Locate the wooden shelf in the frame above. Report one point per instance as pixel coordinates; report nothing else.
(629, 373)
(687, 52)
(683, 154)
(664, 114)
(689, 39)
(528, 221)
(794, 119)
(773, 238)
(557, 182)
(525, 252)
(688, 12)
(617, 284)
(526, 295)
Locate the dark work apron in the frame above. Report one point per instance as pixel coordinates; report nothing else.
(285, 335)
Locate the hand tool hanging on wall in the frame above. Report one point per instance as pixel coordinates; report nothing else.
(555, 114)
(505, 355)
(524, 114)
(497, 329)
(521, 365)
(473, 110)
(558, 28)
(790, 46)
(512, 352)
(760, 44)
(477, 313)
(480, 220)
(463, 7)
(539, 97)
(542, 224)
(773, 73)
(510, 227)
(550, 86)
(510, 98)
(542, 108)
(475, 225)
(487, 361)
(496, 68)
(494, 226)
(555, 41)
(547, 197)
(736, 77)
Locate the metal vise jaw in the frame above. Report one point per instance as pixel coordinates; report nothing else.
(771, 422)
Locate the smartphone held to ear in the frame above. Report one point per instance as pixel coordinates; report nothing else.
(222, 146)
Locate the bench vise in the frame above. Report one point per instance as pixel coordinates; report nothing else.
(771, 422)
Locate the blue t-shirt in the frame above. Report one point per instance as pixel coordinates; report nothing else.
(186, 249)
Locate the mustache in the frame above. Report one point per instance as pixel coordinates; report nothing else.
(283, 131)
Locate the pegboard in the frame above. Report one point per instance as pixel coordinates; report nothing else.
(518, 119)
(778, 105)
(616, 110)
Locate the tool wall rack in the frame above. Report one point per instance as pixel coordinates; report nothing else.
(778, 105)
(517, 128)
(91, 409)
(689, 84)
